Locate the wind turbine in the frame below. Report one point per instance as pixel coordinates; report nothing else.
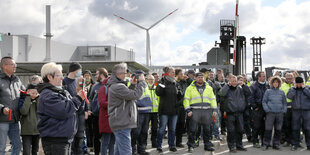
(148, 49)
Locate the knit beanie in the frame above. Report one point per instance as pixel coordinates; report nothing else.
(299, 79)
(74, 66)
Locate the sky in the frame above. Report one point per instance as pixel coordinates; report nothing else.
(184, 38)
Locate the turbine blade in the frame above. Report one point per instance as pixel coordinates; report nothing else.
(130, 22)
(163, 18)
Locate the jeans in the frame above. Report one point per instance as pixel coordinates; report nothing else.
(122, 142)
(30, 144)
(56, 146)
(139, 134)
(216, 125)
(84, 144)
(171, 120)
(77, 146)
(107, 142)
(11, 130)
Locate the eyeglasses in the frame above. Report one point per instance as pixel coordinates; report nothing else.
(59, 75)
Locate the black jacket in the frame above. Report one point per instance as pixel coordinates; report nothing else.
(235, 98)
(181, 87)
(258, 91)
(168, 102)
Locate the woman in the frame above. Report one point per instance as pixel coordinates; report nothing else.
(274, 104)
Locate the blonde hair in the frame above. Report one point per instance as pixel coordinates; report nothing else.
(273, 79)
(49, 69)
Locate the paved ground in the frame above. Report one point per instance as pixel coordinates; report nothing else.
(221, 149)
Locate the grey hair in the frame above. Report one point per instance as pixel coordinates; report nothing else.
(166, 69)
(119, 68)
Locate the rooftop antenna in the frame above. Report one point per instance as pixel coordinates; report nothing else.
(236, 30)
(148, 49)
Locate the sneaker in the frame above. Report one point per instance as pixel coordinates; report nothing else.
(190, 149)
(276, 147)
(256, 145)
(265, 148)
(232, 150)
(294, 148)
(241, 149)
(180, 145)
(159, 150)
(173, 149)
(287, 144)
(209, 148)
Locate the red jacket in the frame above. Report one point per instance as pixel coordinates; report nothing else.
(103, 111)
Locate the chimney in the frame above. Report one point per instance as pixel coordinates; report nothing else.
(48, 34)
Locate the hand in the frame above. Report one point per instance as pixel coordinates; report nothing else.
(89, 113)
(86, 115)
(256, 109)
(229, 84)
(141, 77)
(214, 113)
(133, 80)
(189, 114)
(303, 85)
(185, 77)
(81, 94)
(6, 111)
(295, 85)
(224, 114)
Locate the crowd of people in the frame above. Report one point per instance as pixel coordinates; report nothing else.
(114, 114)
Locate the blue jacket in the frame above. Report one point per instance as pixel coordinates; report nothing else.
(300, 97)
(257, 95)
(274, 101)
(57, 112)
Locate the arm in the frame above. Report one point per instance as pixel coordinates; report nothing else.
(284, 102)
(122, 91)
(160, 89)
(265, 102)
(251, 98)
(246, 90)
(306, 91)
(186, 101)
(291, 93)
(223, 91)
(26, 106)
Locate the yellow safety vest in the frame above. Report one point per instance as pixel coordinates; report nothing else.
(286, 87)
(154, 98)
(192, 97)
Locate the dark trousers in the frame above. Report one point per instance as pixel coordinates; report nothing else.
(56, 146)
(258, 118)
(77, 146)
(223, 122)
(300, 118)
(247, 123)
(89, 131)
(30, 144)
(273, 120)
(97, 136)
(181, 127)
(287, 126)
(139, 134)
(235, 130)
(154, 127)
(203, 117)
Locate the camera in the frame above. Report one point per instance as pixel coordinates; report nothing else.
(137, 74)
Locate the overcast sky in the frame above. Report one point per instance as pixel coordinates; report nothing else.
(183, 38)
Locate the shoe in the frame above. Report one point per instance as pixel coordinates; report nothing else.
(190, 149)
(154, 145)
(219, 138)
(173, 149)
(86, 153)
(265, 148)
(196, 143)
(287, 144)
(209, 148)
(180, 145)
(134, 153)
(159, 150)
(143, 153)
(308, 148)
(294, 148)
(300, 146)
(256, 145)
(241, 149)
(276, 147)
(223, 133)
(232, 150)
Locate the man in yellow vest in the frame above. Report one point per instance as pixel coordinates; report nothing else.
(308, 82)
(150, 89)
(200, 105)
(287, 120)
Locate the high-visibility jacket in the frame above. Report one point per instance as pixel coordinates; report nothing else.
(145, 103)
(193, 99)
(153, 96)
(308, 82)
(286, 87)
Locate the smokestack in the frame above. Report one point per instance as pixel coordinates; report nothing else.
(48, 34)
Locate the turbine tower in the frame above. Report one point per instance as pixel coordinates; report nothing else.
(148, 49)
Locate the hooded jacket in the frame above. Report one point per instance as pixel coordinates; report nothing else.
(9, 96)
(300, 98)
(235, 98)
(57, 112)
(274, 101)
(122, 108)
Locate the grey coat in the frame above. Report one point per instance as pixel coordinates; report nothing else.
(122, 108)
(274, 101)
(9, 96)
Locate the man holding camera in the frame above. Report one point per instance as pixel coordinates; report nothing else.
(122, 108)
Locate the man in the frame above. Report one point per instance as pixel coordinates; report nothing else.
(70, 83)
(200, 104)
(181, 126)
(9, 114)
(139, 134)
(156, 77)
(168, 108)
(101, 75)
(300, 96)
(235, 104)
(191, 76)
(221, 81)
(57, 111)
(154, 113)
(247, 112)
(287, 120)
(122, 108)
(258, 89)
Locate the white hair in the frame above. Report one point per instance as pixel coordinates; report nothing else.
(119, 68)
(50, 69)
